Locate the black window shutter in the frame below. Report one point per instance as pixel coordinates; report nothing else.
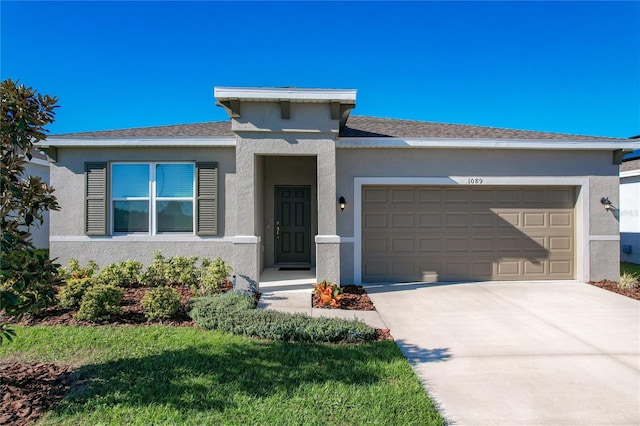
(206, 198)
(95, 222)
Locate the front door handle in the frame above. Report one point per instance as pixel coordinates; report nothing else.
(277, 230)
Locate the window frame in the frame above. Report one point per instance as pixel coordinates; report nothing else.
(153, 199)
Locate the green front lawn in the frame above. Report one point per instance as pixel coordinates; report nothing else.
(178, 375)
(630, 268)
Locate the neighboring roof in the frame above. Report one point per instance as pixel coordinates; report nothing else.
(36, 154)
(632, 155)
(628, 166)
(356, 126)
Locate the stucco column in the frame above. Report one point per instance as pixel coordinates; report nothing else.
(246, 243)
(327, 242)
(604, 229)
(245, 188)
(246, 262)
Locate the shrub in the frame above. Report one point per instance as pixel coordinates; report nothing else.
(211, 308)
(232, 312)
(330, 294)
(213, 275)
(160, 303)
(70, 294)
(177, 269)
(41, 252)
(156, 273)
(100, 302)
(629, 281)
(122, 274)
(75, 271)
(183, 270)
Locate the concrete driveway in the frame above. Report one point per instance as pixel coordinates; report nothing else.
(520, 353)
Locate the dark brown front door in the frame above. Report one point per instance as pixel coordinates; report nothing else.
(293, 225)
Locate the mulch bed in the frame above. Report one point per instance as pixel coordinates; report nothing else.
(633, 293)
(29, 389)
(131, 312)
(353, 298)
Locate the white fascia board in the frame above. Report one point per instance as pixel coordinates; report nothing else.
(630, 173)
(39, 162)
(583, 145)
(290, 94)
(226, 141)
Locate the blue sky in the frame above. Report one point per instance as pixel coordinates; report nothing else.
(570, 67)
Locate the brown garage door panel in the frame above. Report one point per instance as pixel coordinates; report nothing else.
(489, 233)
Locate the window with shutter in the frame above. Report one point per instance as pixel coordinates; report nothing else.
(206, 198)
(95, 199)
(152, 198)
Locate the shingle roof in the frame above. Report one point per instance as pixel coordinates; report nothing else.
(628, 166)
(356, 126)
(213, 128)
(36, 154)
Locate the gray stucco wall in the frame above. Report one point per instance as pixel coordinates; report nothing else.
(266, 117)
(67, 225)
(40, 233)
(595, 166)
(259, 218)
(247, 178)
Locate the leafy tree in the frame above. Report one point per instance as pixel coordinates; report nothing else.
(26, 275)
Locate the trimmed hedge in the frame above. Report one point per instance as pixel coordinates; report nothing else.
(100, 302)
(160, 303)
(234, 312)
(70, 294)
(120, 274)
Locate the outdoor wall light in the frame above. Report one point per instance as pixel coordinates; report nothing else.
(606, 203)
(342, 203)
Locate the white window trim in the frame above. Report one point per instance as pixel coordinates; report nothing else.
(152, 199)
(583, 235)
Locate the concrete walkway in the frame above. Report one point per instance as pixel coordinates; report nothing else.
(517, 353)
(290, 291)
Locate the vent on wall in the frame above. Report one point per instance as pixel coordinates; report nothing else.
(626, 248)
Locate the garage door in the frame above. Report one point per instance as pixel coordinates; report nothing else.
(430, 233)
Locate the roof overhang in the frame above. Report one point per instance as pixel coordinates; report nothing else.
(546, 144)
(618, 148)
(342, 101)
(51, 144)
(292, 94)
(630, 173)
(61, 142)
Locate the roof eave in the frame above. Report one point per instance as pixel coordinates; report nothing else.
(97, 142)
(457, 143)
(276, 94)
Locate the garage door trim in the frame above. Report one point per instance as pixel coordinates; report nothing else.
(582, 236)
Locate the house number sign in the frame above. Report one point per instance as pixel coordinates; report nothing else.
(475, 181)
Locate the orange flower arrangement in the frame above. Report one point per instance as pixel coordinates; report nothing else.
(330, 294)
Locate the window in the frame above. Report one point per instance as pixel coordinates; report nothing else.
(152, 198)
